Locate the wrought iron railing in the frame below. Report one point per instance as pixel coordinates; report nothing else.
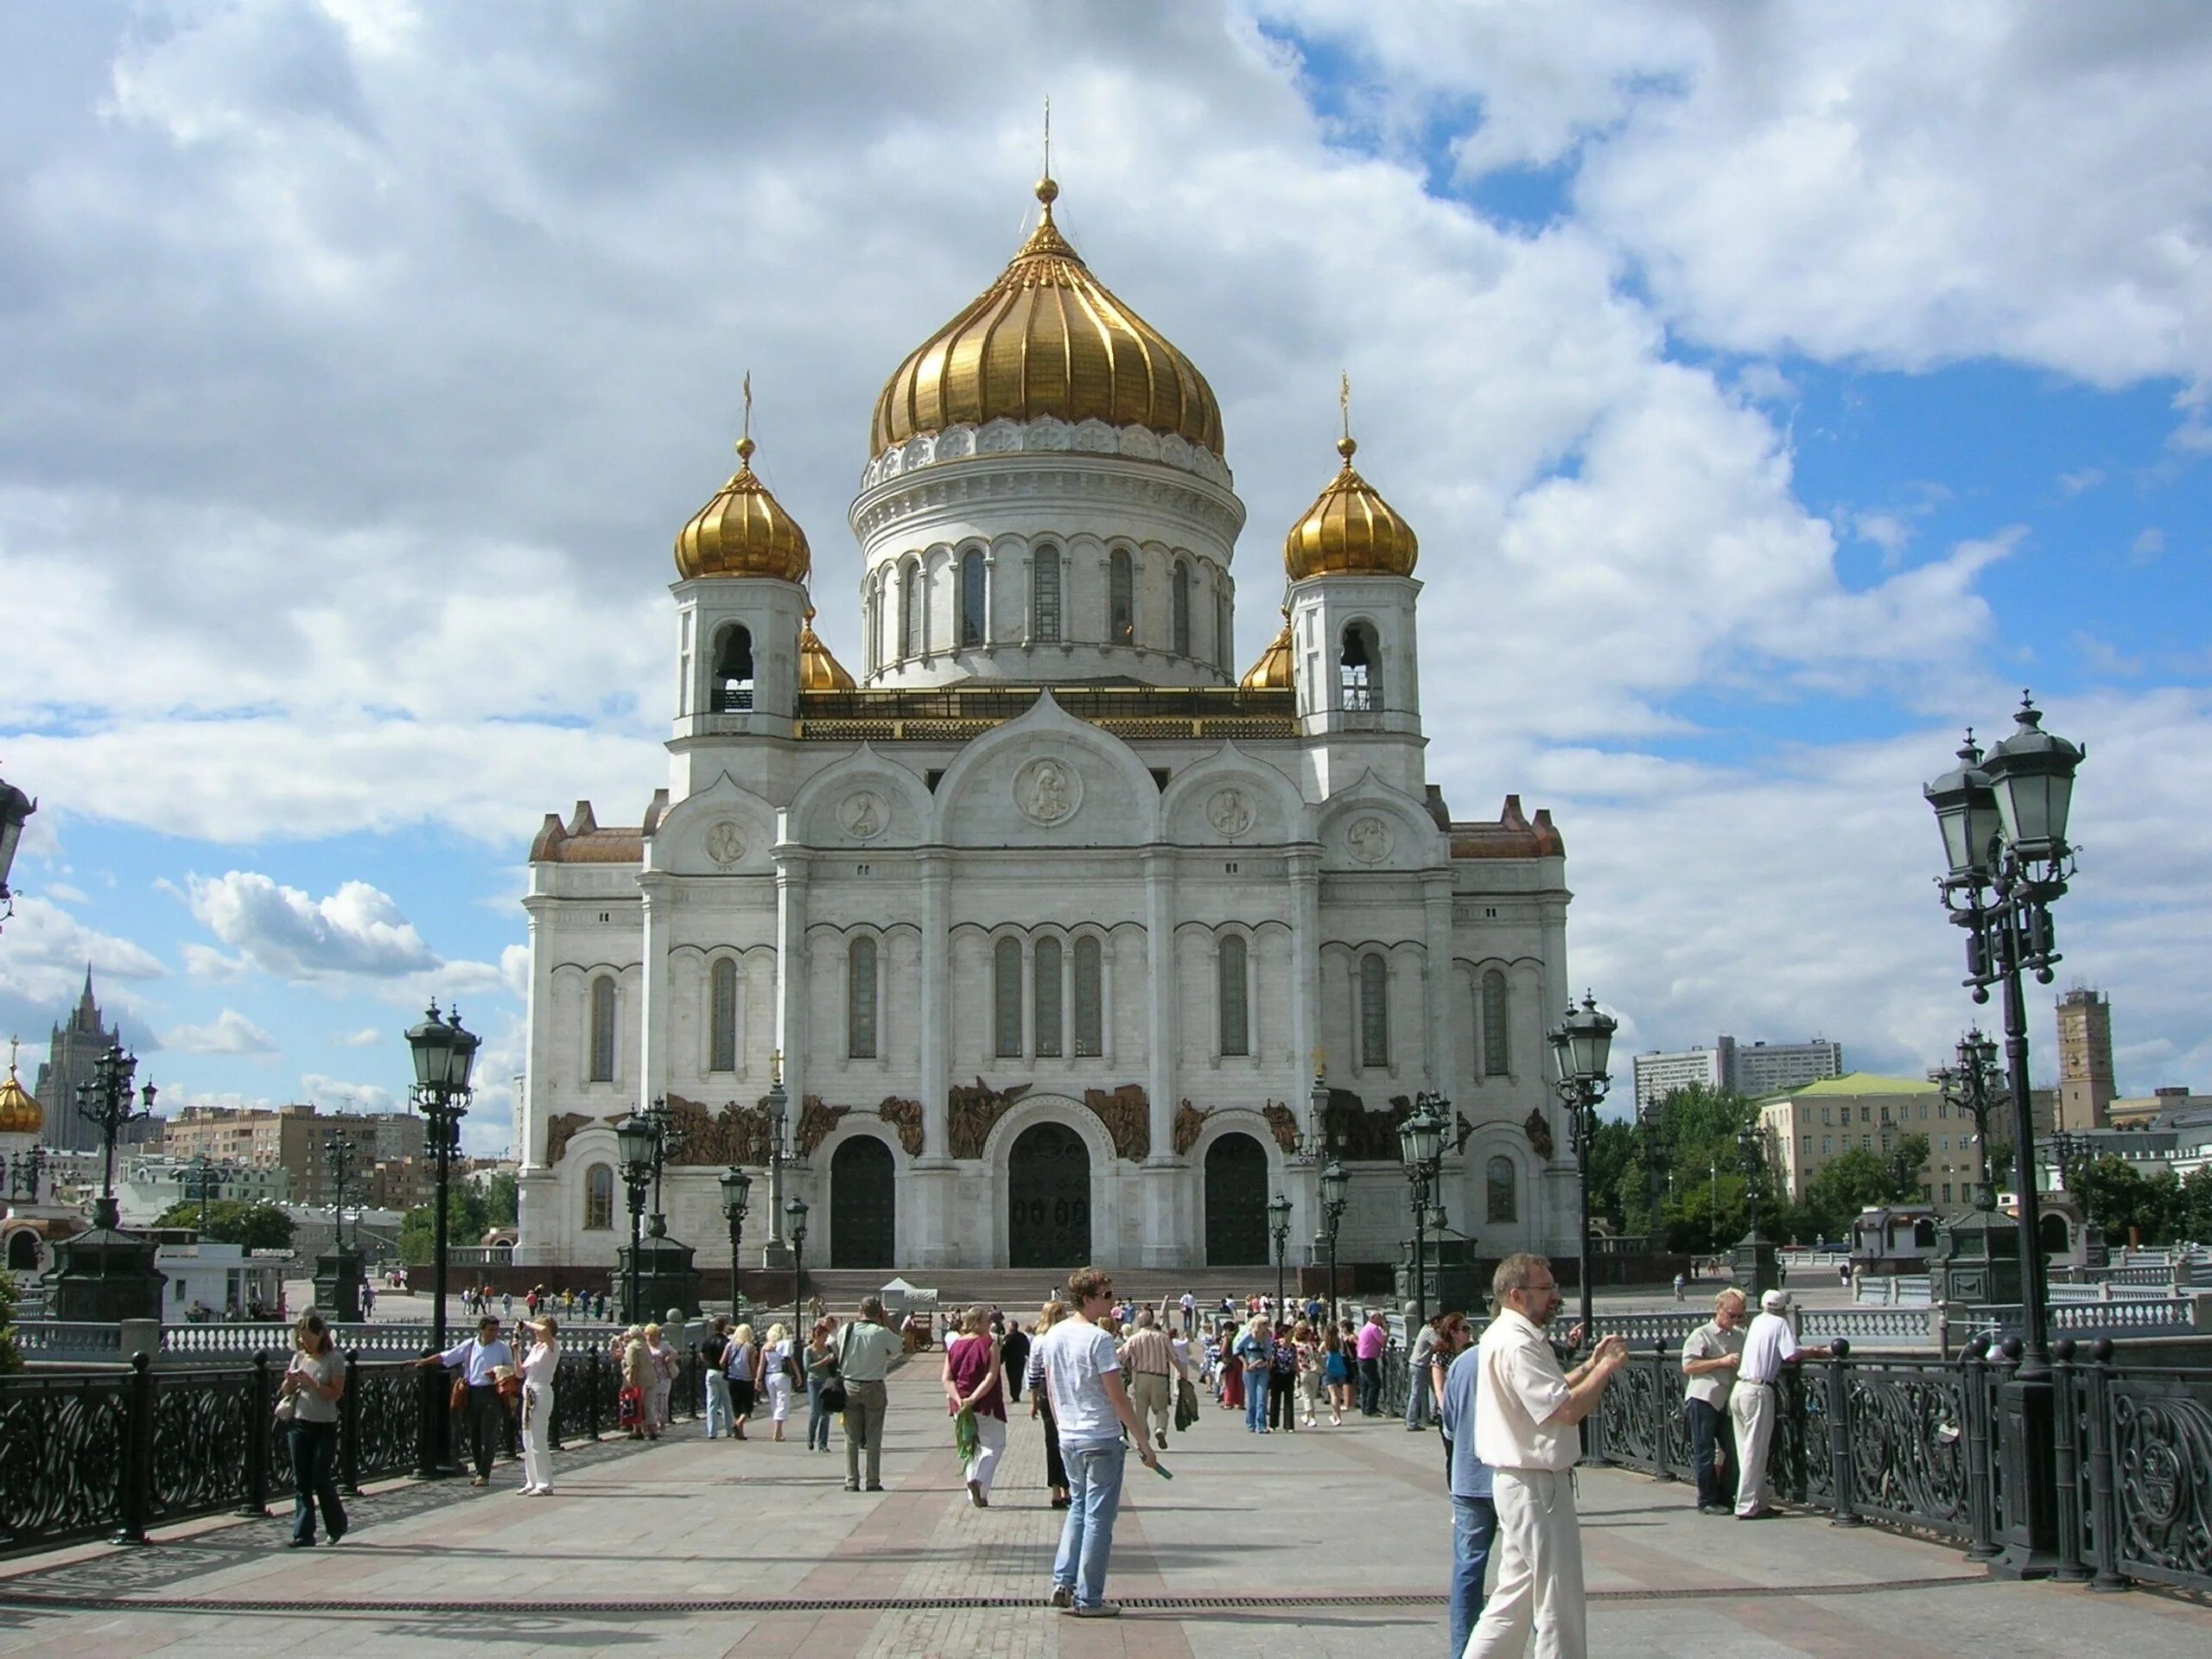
(241, 1341)
(112, 1453)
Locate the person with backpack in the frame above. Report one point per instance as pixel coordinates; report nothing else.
(478, 1359)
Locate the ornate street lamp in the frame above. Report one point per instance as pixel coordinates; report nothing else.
(1971, 1086)
(779, 1111)
(338, 1275)
(445, 1052)
(16, 809)
(2068, 1152)
(668, 1144)
(637, 1145)
(106, 1273)
(1582, 1046)
(737, 1193)
(1336, 1192)
(2003, 820)
(202, 1170)
(1279, 1225)
(1420, 1149)
(795, 1215)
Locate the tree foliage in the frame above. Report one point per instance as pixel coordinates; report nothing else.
(1854, 1180)
(10, 1359)
(1704, 1191)
(233, 1221)
(468, 1216)
(2159, 1208)
(502, 1199)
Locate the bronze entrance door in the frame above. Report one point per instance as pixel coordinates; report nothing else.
(863, 1206)
(1236, 1203)
(1048, 1198)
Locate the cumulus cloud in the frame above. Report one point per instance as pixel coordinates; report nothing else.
(42, 965)
(337, 1094)
(230, 1033)
(358, 930)
(367, 1037)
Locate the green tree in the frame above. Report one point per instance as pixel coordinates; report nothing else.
(231, 1221)
(468, 1217)
(11, 1360)
(1906, 1160)
(1852, 1181)
(2120, 1198)
(502, 1199)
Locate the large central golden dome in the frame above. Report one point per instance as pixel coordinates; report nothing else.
(1046, 338)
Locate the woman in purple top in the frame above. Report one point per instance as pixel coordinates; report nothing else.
(971, 1382)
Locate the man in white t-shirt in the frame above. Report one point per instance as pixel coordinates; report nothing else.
(1768, 1345)
(1083, 1376)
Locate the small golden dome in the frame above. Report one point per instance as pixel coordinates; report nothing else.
(817, 669)
(743, 531)
(1046, 338)
(19, 1113)
(1350, 530)
(1272, 672)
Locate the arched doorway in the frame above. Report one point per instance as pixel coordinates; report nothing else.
(2050, 1235)
(23, 1251)
(1048, 1198)
(863, 1204)
(1236, 1203)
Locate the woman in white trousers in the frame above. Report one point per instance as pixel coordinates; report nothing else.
(538, 1367)
(775, 1377)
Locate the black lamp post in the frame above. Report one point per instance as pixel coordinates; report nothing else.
(780, 1111)
(105, 1274)
(1336, 1192)
(668, 1142)
(795, 1215)
(203, 1177)
(737, 1193)
(1971, 1086)
(2003, 820)
(338, 1275)
(1420, 1149)
(107, 1101)
(2068, 1152)
(444, 1052)
(1582, 1046)
(1279, 1224)
(1654, 1129)
(16, 807)
(636, 1148)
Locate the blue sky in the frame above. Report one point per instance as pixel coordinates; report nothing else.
(1769, 406)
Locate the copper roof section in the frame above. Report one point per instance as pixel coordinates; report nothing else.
(1512, 835)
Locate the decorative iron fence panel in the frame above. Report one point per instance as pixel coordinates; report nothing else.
(62, 1450)
(2161, 1426)
(1906, 1434)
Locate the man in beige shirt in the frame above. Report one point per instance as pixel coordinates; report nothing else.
(1709, 1355)
(1149, 1358)
(1526, 1410)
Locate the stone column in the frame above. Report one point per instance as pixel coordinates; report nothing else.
(1305, 959)
(1160, 1241)
(1436, 917)
(792, 865)
(654, 1019)
(936, 1238)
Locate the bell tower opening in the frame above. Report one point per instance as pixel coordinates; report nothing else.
(732, 683)
(1359, 670)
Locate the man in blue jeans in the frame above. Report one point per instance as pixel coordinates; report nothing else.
(1082, 1378)
(1474, 1517)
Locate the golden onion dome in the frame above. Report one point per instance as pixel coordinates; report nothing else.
(743, 531)
(19, 1113)
(1046, 338)
(817, 669)
(1350, 530)
(1272, 672)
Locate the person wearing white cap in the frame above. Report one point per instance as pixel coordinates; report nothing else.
(1768, 1345)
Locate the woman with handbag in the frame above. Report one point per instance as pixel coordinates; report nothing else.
(825, 1389)
(307, 1400)
(538, 1367)
(972, 1387)
(664, 1364)
(637, 1383)
(1040, 1404)
(777, 1364)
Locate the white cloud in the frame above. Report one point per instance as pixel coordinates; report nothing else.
(336, 1094)
(204, 961)
(357, 930)
(2147, 546)
(230, 1034)
(367, 1037)
(43, 956)
(62, 894)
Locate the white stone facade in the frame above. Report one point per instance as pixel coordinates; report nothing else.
(1049, 925)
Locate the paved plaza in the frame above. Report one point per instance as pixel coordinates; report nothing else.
(1333, 1543)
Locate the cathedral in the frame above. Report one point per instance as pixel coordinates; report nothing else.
(1050, 936)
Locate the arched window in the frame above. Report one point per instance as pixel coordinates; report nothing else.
(1359, 670)
(721, 1016)
(1005, 998)
(909, 609)
(1090, 1000)
(859, 998)
(1181, 587)
(972, 626)
(1121, 599)
(1044, 596)
(1497, 1013)
(1048, 999)
(1230, 986)
(733, 685)
(599, 1196)
(602, 1030)
(1373, 1011)
(1504, 1205)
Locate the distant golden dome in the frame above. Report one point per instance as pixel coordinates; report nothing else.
(19, 1113)
(743, 531)
(817, 669)
(1350, 530)
(1272, 672)
(1046, 338)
